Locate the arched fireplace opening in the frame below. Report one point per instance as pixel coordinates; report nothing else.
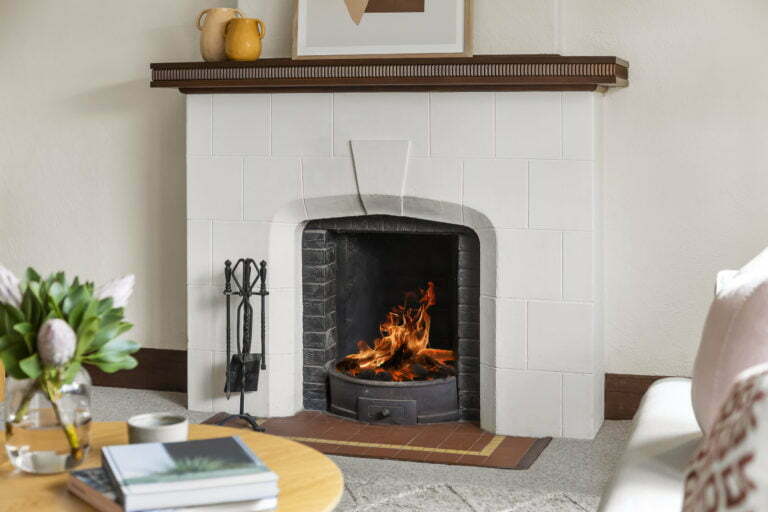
(391, 319)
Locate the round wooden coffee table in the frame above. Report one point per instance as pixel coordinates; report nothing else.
(309, 481)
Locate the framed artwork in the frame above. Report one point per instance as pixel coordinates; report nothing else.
(326, 29)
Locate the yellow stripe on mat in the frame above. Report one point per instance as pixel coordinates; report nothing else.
(486, 451)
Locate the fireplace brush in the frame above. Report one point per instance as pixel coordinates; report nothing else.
(243, 367)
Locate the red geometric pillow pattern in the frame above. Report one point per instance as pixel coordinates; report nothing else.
(729, 470)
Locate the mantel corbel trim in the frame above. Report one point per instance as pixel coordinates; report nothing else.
(479, 73)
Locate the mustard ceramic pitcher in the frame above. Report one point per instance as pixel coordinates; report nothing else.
(243, 38)
(212, 37)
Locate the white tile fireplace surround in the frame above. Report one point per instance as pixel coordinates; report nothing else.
(520, 168)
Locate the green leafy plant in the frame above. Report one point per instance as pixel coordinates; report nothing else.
(50, 327)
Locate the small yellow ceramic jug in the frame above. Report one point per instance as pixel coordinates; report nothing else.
(212, 37)
(243, 38)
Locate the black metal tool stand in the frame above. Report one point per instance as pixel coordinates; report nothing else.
(243, 367)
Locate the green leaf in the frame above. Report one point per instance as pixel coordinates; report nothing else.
(24, 328)
(119, 346)
(77, 295)
(32, 275)
(85, 334)
(70, 371)
(75, 315)
(11, 357)
(105, 305)
(57, 291)
(125, 363)
(27, 332)
(108, 333)
(31, 366)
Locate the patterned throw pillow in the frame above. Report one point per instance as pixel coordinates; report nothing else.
(729, 470)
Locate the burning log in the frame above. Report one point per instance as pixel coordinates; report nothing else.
(402, 352)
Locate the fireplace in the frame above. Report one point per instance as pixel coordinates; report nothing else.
(304, 180)
(354, 271)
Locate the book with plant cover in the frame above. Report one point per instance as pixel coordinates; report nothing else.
(157, 475)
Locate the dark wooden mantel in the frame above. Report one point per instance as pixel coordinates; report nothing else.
(479, 73)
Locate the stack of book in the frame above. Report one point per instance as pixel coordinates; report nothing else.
(208, 475)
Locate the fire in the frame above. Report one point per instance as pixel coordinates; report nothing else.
(402, 352)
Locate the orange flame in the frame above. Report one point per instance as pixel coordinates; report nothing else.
(402, 352)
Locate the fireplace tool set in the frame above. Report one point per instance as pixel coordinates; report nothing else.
(243, 367)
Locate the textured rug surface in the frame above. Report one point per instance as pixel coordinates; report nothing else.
(395, 495)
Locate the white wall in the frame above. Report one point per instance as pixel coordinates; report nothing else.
(92, 160)
(686, 150)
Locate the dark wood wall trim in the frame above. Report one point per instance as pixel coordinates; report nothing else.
(479, 73)
(623, 394)
(159, 369)
(166, 370)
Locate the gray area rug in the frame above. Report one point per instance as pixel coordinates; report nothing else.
(393, 496)
(569, 476)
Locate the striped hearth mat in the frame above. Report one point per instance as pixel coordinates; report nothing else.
(459, 443)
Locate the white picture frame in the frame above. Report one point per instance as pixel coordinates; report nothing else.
(326, 29)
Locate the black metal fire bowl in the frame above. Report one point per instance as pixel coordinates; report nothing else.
(389, 402)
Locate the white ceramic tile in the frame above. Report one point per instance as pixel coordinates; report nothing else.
(433, 190)
(272, 188)
(199, 124)
(199, 252)
(528, 403)
(240, 124)
(235, 240)
(489, 269)
(529, 264)
(206, 318)
(461, 124)
(284, 322)
(256, 402)
(488, 409)
(560, 337)
(330, 188)
(212, 188)
(301, 124)
(496, 193)
(561, 194)
(284, 250)
(528, 124)
(582, 405)
(380, 166)
(380, 115)
(502, 333)
(200, 380)
(283, 385)
(577, 270)
(579, 125)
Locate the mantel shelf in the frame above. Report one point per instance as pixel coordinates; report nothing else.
(479, 73)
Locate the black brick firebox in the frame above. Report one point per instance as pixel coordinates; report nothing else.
(354, 269)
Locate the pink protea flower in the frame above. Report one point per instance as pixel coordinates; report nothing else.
(9, 288)
(56, 342)
(119, 289)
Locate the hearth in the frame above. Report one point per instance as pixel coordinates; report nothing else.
(391, 319)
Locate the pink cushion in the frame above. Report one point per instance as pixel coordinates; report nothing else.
(735, 336)
(729, 470)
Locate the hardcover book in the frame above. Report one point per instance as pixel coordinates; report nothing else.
(94, 487)
(160, 475)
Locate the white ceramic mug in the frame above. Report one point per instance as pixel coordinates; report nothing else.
(157, 427)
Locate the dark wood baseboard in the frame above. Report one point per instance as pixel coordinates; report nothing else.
(623, 393)
(166, 370)
(159, 370)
